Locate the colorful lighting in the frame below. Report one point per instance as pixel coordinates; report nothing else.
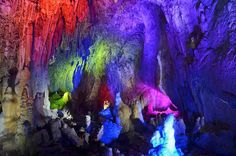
(57, 102)
(99, 56)
(66, 72)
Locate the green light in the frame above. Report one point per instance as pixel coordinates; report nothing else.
(62, 71)
(58, 102)
(100, 55)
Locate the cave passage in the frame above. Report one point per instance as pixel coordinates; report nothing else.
(117, 77)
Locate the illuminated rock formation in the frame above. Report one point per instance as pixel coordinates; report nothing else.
(181, 52)
(165, 139)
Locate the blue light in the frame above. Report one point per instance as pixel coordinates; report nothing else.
(163, 141)
(77, 75)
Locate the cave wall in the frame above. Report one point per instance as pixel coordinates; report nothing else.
(30, 33)
(186, 48)
(202, 48)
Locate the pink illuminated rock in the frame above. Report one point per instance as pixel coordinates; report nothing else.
(155, 101)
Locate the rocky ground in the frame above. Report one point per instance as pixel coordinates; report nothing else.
(209, 140)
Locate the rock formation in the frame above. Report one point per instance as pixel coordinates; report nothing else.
(183, 49)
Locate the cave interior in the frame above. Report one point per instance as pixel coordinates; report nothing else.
(117, 77)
